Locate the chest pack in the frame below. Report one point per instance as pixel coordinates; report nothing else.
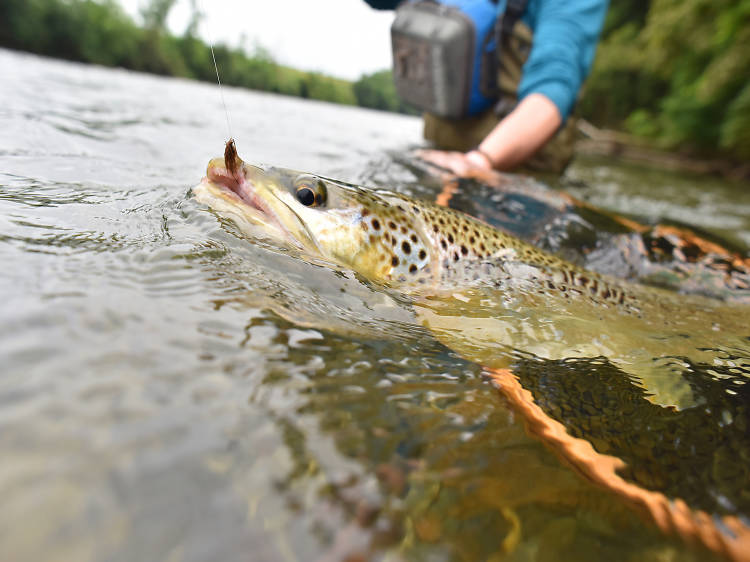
(445, 54)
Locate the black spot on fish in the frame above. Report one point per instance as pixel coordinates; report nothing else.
(422, 254)
(406, 247)
(394, 261)
(450, 238)
(464, 250)
(435, 228)
(455, 256)
(392, 225)
(376, 224)
(415, 209)
(403, 230)
(412, 268)
(443, 243)
(414, 238)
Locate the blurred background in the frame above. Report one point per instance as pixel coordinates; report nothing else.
(669, 75)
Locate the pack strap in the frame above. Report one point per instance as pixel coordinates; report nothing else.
(504, 24)
(514, 9)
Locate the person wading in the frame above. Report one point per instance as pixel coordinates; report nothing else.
(546, 48)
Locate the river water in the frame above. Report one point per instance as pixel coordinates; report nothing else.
(171, 391)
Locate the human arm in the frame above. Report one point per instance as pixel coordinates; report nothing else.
(563, 48)
(565, 36)
(517, 137)
(523, 131)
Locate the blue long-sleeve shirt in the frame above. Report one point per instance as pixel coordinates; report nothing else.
(565, 37)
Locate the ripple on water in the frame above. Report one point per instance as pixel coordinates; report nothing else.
(31, 192)
(171, 389)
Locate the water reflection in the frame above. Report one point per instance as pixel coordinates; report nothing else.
(427, 462)
(171, 391)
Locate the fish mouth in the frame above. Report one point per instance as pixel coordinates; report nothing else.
(242, 193)
(234, 185)
(249, 195)
(228, 177)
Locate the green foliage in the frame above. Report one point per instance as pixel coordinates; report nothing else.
(675, 71)
(99, 32)
(78, 30)
(155, 14)
(735, 129)
(320, 87)
(623, 12)
(378, 92)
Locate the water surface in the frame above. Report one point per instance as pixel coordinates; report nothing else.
(173, 391)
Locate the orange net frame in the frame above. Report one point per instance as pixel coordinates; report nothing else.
(671, 516)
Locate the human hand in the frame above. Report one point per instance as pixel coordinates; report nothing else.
(468, 164)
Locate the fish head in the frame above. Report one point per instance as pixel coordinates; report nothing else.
(375, 234)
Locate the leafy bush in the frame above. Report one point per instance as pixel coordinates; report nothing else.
(100, 32)
(675, 71)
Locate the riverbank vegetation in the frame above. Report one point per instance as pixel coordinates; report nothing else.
(677, 73)
(671, 73)
(100, 32)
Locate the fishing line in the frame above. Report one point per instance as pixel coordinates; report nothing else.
(216, 67)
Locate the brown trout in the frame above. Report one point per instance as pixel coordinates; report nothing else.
(486, 294)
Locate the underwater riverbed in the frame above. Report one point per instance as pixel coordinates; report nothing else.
(173, 391)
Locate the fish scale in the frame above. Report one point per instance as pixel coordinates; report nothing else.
(538, 303)
(402, 247)
(406, 232)
(486, 295)
(408, 243)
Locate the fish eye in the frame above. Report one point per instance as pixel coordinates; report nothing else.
(311, 192)
(306, 196)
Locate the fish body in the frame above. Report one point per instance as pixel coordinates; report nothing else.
(486, 294)
(387, 237)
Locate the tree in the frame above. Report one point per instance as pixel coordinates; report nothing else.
(378, 91)
(675, 71)
(155, 14)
